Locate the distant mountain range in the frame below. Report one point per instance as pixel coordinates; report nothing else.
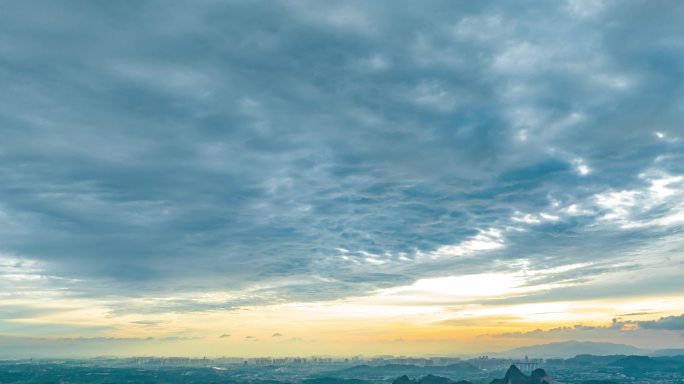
(566, 349)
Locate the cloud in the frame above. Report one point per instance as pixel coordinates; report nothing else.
(671, 323)
(546, 332)
(225, 335)
(290, 152)
(668, 323)
(634, 314)
(277, 334)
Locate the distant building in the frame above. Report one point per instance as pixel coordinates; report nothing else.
(528, 365)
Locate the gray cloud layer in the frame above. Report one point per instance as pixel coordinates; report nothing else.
(294, 146)
(578, 331)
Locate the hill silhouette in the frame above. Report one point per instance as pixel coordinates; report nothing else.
(567, 349)
(515, 376)
(429, 379)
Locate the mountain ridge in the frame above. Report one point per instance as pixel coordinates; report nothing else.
(572, 348)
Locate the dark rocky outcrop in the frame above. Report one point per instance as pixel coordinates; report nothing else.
(429, 379)
(515, 376)
(403, 380)
(539, 376)
(334, 380)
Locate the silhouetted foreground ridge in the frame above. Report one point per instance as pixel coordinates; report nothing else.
(515, 376)
(429, 379)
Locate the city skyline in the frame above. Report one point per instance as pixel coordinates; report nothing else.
(297, 178)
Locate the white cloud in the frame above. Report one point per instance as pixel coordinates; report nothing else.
(343, 17)
(177, 79)
(581, 167)
(614, 81)
(435, 95)
(19, 269)
(487, 240)
(459, 287)
(377, 62)
(521, 57)
(483, 29)
(533, 219)
(659, 204)
(585, 8)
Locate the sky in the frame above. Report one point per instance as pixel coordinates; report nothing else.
(256, 178)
